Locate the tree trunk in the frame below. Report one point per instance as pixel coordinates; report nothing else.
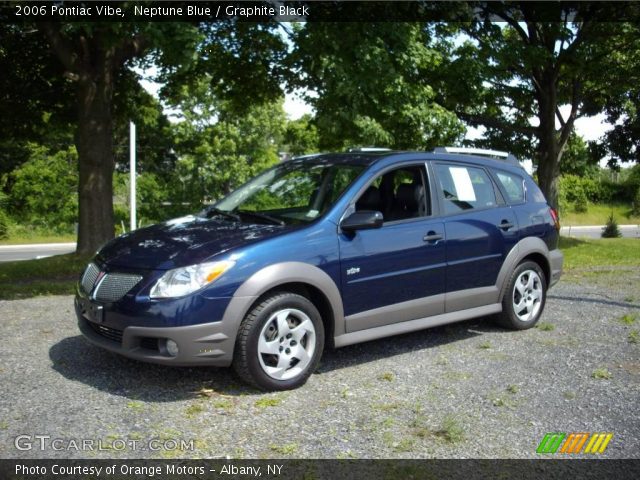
(548, 148)
(94, 142)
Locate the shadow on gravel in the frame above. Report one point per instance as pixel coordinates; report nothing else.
(432, 338)
(612, 303)
(78, 360)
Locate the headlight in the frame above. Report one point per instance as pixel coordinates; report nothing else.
(183, 281)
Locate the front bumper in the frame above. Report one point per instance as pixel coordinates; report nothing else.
(555, 261)
(202, 344)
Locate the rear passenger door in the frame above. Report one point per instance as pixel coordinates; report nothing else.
(480, 229)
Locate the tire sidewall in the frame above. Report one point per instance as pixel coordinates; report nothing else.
(280, 302)
(507, 301)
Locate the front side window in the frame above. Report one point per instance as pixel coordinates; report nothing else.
(513, 186)
(292, 192)
(398, 194)
(464, 188)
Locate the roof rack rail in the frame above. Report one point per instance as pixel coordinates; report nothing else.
(369, 149)
(500, 155)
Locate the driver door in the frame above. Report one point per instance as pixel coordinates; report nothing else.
(396, 272)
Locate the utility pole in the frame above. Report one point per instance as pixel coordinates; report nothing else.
(132, 172)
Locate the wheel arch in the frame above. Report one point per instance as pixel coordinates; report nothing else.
(529, 248)
(296, 277)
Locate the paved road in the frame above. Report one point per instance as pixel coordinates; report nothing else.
(629, 231)
(10, 253)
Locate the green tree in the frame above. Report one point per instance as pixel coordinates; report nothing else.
(218, 154)
(95, 56)
(542, 56)
(578, 159)
(371, 84)
(240, 57)
(620, 83)
(34, 95)
(301, 136)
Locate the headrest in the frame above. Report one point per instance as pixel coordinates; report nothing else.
(407, 196)
(370, 199)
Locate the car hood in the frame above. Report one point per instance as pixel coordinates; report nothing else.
(181, 242)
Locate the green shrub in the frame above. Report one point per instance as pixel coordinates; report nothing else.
(635, 205)
(4, 225)
(611, 229)
(581, 205)
(44, 189)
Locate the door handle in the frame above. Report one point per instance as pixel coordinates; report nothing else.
(432, 237)
(505, 225)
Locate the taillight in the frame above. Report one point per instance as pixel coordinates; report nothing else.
(556, 218)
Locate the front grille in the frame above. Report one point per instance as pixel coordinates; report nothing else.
(89, 277)
(114, 286)
(107, 332)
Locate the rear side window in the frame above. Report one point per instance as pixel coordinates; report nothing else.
(513, 186)
(464, 188)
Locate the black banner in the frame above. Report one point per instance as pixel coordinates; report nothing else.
(307, 11)
(318, 469)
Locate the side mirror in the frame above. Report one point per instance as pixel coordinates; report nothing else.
(362, 220)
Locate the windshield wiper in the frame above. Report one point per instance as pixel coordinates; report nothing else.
(216, 211)
(262, 216)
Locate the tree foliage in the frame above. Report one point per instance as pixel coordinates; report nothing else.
(371, 84)
(520, 72)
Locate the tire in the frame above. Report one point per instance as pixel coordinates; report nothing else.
(524, 298)
(279, 342)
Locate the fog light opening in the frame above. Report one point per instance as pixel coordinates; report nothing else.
(172, 348)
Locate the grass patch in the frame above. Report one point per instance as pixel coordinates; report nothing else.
(387, 407)
(287, 449)
(387, 377)
(601, 374)
(268, 402)
(513, 389)
(451, 430)
(193, 410)
(582, 252)
(47, 276)
(224, 404)
(598, 214)
(484, 345)
(628, 319)
(37, 238)
(634, 336)
(135, 405)
(545, 326)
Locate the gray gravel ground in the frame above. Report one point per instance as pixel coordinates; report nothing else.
(467, 390)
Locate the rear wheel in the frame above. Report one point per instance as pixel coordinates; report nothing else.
(279, 342)
(525, 297)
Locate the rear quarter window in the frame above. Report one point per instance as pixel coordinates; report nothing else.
(513, 186)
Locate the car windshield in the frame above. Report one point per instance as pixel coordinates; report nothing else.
(293, 192)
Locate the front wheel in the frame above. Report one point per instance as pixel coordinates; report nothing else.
(524, 299)
(279, 342)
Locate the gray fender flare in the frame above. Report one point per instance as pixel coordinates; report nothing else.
(520, 250)
(278, 274)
